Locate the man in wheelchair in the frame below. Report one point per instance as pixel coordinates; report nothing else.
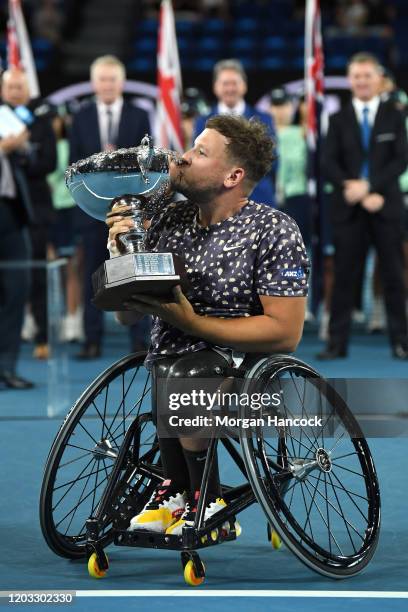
(247, 270)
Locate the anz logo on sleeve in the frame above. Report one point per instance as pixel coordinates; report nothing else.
(292, 273)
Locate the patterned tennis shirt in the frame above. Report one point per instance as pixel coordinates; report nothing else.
(258, 251)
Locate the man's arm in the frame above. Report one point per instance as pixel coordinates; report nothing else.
(43, 158)
(332, 170)
(278, 329)
(398, 162)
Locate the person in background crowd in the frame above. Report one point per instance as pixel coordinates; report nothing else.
(192, 106)
(106, 123)
(291, 176)
(38, 160)
(291, 181)
(366, 150)
(230, 86)
(24, 159)
(64, 230)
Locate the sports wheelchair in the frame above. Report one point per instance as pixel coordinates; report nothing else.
(316, 485)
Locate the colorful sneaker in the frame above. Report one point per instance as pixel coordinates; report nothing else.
(164, 508)
(190, 512)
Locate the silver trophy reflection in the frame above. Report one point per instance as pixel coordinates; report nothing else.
(139, 178)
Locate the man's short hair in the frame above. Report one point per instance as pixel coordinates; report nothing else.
(108, 60)
(249, 144)
(229, 64)
(364, 57)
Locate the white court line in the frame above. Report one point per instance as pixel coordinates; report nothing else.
(245, 593)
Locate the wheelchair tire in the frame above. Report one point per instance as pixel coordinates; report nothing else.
(84, 450)
(317, 486)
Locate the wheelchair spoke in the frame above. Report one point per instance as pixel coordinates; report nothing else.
(74, 460)
(339, 512)
(344, 519)
(343, 488)
(104, 424)
(79, 503)
(346, 455)
(138, 404)
(87, 432)
(348, 470)
(73, 484)
(122, 402)
(327, 512)
(66, 484)
(88, 450)
(331, 534)
(304, 409)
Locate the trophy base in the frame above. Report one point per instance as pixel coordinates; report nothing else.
(120, 278)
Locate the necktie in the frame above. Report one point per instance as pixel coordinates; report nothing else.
(365, 138)
(109, 133)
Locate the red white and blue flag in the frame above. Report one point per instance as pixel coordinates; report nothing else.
(169, 133)
(314, 90)
(19, 52)
(314, 71)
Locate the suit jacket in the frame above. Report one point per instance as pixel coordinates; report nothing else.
(264, 191)
(84, 138)
(30, 168)
(344, 155)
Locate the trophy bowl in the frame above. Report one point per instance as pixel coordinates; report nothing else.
(139, 178)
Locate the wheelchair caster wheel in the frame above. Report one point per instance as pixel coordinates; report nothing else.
(214, 535)
(190, 575)
(275, 540)
(93, 567)
(238, 529)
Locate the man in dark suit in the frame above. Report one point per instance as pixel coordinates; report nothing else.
(230, 87)
(365, 152)
(107, 123)
(25, 159)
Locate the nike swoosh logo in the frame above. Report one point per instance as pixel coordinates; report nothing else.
(236, 246)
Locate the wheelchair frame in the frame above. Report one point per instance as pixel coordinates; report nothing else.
(120, 499)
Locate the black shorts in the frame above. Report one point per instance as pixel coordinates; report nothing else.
(205, 364)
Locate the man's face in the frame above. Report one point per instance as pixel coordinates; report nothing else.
(282, 113)
(205, 168)
(107, 83)
(230, 87)
(365, 80)
(14, 89)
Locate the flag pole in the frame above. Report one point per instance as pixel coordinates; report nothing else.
(314, 88)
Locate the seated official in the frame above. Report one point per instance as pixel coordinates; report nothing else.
(247, 270)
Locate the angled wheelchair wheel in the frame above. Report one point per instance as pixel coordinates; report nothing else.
(84, 451)
(314, 478)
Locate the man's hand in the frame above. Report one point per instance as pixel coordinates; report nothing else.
(13, 143)
(373, 202)
(178, 313)
(118, 224)
(355, 190)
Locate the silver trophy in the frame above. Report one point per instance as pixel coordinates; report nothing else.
(139, 178)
